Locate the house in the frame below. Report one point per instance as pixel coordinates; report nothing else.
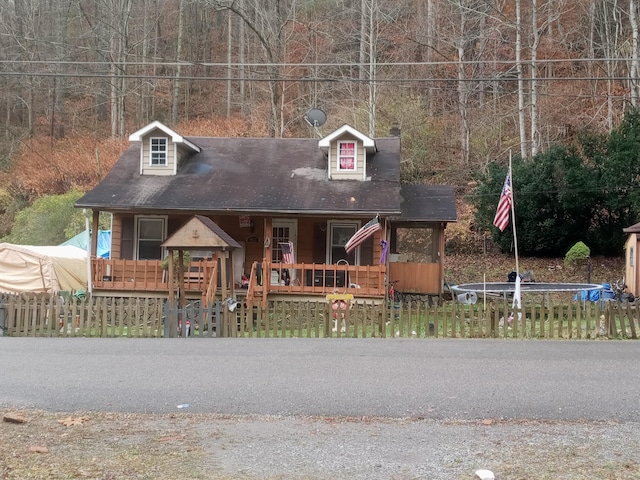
(291, 204)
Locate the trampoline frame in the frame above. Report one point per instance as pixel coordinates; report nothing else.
(533, 287)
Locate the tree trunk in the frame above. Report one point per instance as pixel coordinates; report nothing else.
(535, 132)
(634, 81)
(175, 96)
(521, 92)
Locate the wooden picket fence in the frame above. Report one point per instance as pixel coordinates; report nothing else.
(51, 316)
(43, 315)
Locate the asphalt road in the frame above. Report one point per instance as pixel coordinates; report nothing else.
(432, 378)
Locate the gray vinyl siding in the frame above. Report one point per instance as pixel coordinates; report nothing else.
(147, 168)
(359, 173)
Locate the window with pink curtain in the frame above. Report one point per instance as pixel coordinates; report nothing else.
(347, 156)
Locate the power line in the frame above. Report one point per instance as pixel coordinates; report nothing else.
(164, 63)
(306, 79)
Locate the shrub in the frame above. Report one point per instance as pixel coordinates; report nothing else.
(186, 261)
(576, 253)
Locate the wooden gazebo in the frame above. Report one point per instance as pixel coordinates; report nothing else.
(201, 233)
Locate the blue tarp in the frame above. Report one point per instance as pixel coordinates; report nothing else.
(595, 295)
(104, 242)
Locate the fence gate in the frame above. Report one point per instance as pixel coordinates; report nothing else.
(194, 320)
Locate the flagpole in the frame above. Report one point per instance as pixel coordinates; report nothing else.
(513, 216)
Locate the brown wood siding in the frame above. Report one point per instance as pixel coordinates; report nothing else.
(306, 241)
(367, 250)
(319, 241)
(310, 248)
(416, 277)
(126, 238)
(116, 235)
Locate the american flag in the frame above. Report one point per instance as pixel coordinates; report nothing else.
(287, 252)
(361, 235)
(501, 220)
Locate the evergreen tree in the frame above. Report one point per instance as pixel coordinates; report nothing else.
(569, 194)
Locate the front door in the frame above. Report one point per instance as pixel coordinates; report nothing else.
(282, 231)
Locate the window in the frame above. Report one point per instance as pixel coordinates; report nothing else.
(631, 257)
(159, 151)
(151, 234)
(346, 155)
(340, 233)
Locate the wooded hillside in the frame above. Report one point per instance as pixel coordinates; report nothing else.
(467, 82)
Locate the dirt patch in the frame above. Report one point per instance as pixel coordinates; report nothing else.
(472, 268)
(105, 446)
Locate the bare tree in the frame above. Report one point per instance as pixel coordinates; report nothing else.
(521, 91)
(271, 22)
(175, 97)
(634, 77)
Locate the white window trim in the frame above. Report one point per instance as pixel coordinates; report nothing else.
(340, 223)
(136, 237)
(355, 156)
(166, 152)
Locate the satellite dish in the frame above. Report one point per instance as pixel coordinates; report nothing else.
(315, 117)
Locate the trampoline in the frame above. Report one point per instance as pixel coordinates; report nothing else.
(469, 292)
(537, 287)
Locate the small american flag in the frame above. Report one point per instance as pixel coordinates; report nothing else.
(287, 252)
(361, 235)
(501, 220)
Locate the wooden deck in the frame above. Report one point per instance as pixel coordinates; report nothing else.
(139, 277)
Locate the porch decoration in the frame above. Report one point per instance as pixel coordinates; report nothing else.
(361, 235)
(340, 303)
(245, 221)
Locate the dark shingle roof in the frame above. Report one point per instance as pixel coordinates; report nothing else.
(252, 175)
(427, 203)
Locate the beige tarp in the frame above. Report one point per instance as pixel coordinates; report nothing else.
(26, 268)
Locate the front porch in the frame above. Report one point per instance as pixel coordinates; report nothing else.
(201, 279)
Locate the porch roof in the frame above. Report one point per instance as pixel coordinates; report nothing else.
(427, 203)
(249, 175)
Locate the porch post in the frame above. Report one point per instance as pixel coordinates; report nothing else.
(181, 281)
(441, 256)
(223, 281)
(172, 298)
(94, 237)
(232, 286)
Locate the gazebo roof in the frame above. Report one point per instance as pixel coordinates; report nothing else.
(200, 232)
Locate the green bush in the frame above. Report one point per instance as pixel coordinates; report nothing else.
(578, 252)
(186, 261)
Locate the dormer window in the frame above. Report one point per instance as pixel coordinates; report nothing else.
(347, 155)
(158, 151)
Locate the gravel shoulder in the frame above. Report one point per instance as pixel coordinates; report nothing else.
(182, 445)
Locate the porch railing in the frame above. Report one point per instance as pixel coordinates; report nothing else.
(366, 281)
(266, 278)
(147, 275)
